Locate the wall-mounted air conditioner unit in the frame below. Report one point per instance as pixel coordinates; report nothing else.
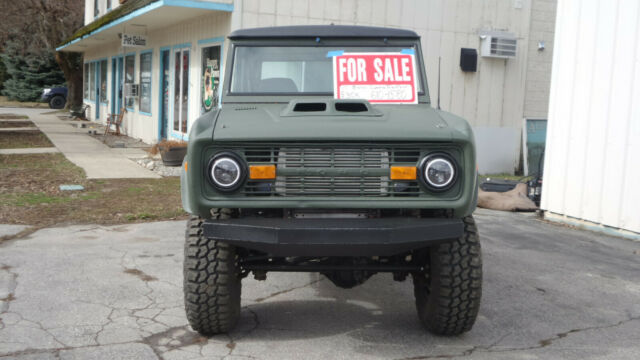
(132, 90)
(498, 44)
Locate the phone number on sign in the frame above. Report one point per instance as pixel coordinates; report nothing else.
(375, 93)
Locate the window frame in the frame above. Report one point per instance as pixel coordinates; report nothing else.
(86, 82)
(92, 81)
(140, 56)
(103, 75)
(210, 42)
(172, 133)
(235, 48)
(424, 97)
(133, 79)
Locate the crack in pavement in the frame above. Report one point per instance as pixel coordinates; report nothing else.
(5, 302)
(233, 340)
(541, 343)
(258, 300)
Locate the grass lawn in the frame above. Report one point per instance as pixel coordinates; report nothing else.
(30, 194)
(23, 139)
(13, 117)
(16, 124)
(5, 102)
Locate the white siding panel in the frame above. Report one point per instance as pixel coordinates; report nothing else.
(598, 107)
(618, 116)
(579, 109)
(593, 138)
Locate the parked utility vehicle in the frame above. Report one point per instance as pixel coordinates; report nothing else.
(327, 156)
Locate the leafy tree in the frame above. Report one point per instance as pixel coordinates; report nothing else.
(28, 72)
(49, 24)
(3, 73)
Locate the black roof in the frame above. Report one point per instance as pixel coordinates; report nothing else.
(322, 31)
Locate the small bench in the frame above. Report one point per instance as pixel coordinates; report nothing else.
(79, 113)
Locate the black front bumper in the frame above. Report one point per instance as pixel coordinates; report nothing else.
(334, 237)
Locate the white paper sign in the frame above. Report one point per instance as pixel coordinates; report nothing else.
(134, 40)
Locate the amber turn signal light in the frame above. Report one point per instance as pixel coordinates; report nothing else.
(403, 173)
(261, 172)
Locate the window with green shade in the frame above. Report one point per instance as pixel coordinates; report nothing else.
(92, 81)
(86, 81)
(103, 81)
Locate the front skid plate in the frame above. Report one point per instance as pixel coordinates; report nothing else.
(334, 237)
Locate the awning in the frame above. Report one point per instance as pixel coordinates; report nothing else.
(150, 14)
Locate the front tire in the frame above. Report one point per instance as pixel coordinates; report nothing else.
(212, 282)
(57, 102)
(448, 296)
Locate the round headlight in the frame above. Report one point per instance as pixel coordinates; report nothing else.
(438, 172)
(226, 172)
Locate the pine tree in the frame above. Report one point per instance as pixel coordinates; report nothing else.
(28, 72)
(3, 74)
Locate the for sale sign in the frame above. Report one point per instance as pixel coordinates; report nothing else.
(386, 78)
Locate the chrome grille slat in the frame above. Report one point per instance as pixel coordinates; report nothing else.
(305, 166)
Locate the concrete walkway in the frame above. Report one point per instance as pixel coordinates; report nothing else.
(98, 160)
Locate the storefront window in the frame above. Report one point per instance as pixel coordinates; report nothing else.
(92, 81)
(86, 81)
(210, 78)
(103, 81)
(129, 67)
(185, 89)
(145, 82)
(181, 90)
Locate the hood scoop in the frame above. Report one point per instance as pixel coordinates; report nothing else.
(309, 107)
(304, 107)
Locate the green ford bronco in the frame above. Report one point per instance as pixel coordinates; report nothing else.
(327, 156)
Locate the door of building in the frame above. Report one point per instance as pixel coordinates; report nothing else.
(165, 77)
(180, 93)
(116, 85)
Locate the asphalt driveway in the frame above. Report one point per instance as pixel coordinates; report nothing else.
(94, 292)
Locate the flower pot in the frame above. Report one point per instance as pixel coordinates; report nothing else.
(173, 156)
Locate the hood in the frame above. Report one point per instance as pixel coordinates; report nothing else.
(279, 122)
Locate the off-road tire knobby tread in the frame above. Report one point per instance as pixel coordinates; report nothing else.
(448, 299)
(212, 284)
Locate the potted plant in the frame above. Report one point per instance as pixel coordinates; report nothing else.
(172, 152)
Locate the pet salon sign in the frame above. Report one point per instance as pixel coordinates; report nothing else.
(384, 78)
(134, 40)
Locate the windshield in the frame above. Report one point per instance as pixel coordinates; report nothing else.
(291, 70)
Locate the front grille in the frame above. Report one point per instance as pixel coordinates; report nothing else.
(323, 170)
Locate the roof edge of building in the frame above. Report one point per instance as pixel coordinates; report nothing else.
(136, 8)
(328, 31)
(117, 13)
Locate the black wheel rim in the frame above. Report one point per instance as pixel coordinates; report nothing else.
(57, 102)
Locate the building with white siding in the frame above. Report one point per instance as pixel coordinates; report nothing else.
(593, 136)
(187, 38)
